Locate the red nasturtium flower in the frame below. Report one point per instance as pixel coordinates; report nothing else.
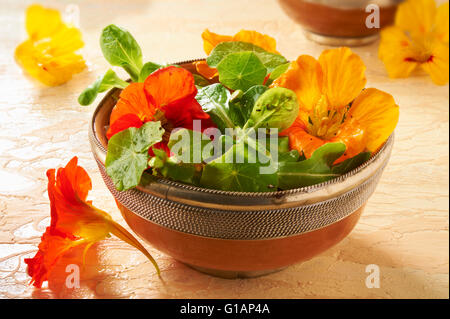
(74, 221)
(167, 95)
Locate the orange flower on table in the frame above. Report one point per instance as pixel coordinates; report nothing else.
(211, 40)
(49, 53)
(419, 38)
(333, 105)
(167, 95)
(74, 222)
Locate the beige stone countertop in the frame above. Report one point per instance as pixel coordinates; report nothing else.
(403, 230)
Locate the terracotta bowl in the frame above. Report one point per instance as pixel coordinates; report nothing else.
(339, 22)
(234, 234)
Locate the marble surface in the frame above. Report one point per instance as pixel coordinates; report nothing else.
(404, 229)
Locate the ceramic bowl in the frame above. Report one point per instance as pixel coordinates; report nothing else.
(339, 22)
(235, 234)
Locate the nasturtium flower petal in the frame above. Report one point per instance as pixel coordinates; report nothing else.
(169, 85)
(211, 39)
(397, 53)
(170, 90)
(325, 89)
(419, 38)
(376, 113)
(343, 76)
(442, 26)
(416, 16)
(354, 139)
(74, 221)
(133, 99)
(42, 22)
(203, 69)
(183, 114)
(437, 66)
(124, 122)
(49, 53)
(304, 76)
(262, 40)
(51, 249)
(301, 140)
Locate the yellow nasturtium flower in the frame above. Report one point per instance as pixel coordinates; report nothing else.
(211, 40)
(49, 53)
(420, 37)
(335, 107)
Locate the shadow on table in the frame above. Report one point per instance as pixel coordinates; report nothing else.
(337, 273)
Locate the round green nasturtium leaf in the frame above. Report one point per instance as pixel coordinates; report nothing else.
(270, 60)
(127, 157)
(241, 71)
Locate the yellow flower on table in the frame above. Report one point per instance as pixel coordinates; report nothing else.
(335, 107)
(420, 37)
(211, 40)
(49, 53)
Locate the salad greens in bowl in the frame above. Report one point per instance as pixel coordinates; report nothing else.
(241, 163)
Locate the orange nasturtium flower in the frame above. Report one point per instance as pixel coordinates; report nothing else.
(333, 105)
(49, 53)
(211, 40)
(74, 221)
(419, 37)
(170, 92)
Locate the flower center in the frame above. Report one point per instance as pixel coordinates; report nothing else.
(422, 50)
(324, 122)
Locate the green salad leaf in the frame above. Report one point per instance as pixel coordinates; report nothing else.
(171, 168)
(227, 174)
(222, 50)
(316, 169)
(127, 156)
(121, 49)
(214, 100)
(277, 72)
(283, 144)
(351, 163)
(242, 107)
(108, 81)
(241, 71)
(275, 108)
(291, 156)
(179, 172)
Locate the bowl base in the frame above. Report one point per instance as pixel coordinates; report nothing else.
(229, 274)
(340, 41)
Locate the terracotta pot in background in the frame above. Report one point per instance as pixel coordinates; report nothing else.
(339, 22)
